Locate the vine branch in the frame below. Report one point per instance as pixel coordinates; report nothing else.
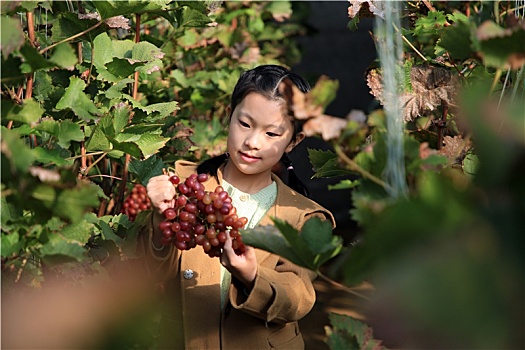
(71, 37)
(352, 165)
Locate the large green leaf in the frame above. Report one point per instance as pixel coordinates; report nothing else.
(150, 144)
(12, 36)
(310, 248)
(29, 112)
(112, 8)
(67, 24)
(456, 41)
(73, 203)
(499, 46)
(269, 238)
(146, 169)
(76, 100)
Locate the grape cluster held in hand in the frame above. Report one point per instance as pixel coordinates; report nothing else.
(201, 217)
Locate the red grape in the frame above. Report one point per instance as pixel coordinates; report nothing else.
(199, 217)
(135, 202)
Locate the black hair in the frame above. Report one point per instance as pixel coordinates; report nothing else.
(264, 80)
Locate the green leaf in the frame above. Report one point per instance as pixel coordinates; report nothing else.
(59, 250)
(98, 140)
(64, 56)
(53, 156)
(344, 185)
(146, 52)
(19, 154)
(317, 234)
(112, 8)
(119, 68)
(456, 40)
(65, 131)
(498, 46)
(73, 203)
(12, 37)
(11, 244)
(33, 60)
(310, 248)
(11, 72)
(115, 91)
(325, 163)
(146, 169)
(78, 232)
(470, 164)
(188, 17)
(76, 100)
(269, 238)
(150, 144)
(67, 24)
(108, 233)
(130, 148)
(431, 24)
(29, 112)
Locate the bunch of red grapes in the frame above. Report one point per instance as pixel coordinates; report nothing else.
(201, 217)
(136, 202)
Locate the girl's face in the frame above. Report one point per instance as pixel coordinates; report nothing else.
(259, 134)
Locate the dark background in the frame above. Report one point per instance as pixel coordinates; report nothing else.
(330, 48)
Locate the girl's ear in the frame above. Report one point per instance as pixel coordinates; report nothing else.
(300, 136)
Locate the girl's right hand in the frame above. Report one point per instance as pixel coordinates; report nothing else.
(161, 193)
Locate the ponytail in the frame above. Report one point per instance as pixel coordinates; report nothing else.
(211, 166)
(293, 180)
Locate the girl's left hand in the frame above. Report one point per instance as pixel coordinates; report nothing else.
(243, 267)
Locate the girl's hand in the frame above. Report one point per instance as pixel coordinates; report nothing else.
(161, 192)
(243, 267)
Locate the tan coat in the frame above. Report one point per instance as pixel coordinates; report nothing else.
(265, 319)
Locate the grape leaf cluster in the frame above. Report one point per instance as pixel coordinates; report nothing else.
(135, 202)
(201, 217)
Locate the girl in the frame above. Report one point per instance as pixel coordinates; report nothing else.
(253, 300)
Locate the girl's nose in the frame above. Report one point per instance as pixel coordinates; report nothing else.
(252, 141)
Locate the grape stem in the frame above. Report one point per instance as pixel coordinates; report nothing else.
(341, 286)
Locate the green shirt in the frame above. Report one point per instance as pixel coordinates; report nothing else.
(253, 207)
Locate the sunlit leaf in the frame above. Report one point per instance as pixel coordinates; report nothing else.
(64, 56)
(112, 8)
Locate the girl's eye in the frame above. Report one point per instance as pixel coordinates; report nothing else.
(243, 124)
(272, 134)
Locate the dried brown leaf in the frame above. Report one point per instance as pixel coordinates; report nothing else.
(431, 86)
(327, 126)
(366, 8)
(118, 22)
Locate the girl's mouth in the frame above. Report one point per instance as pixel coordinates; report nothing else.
(248, 158)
